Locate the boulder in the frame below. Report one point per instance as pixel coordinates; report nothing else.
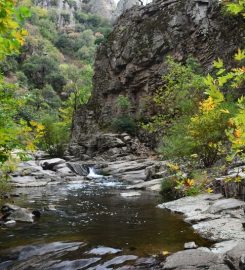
(236, 256)
(190, 245)
(195, 259)
(49, 164)
(21, 214)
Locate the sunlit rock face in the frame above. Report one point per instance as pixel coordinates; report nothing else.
(123, 5)
(104, 8)
(133, 60)
(65, 10)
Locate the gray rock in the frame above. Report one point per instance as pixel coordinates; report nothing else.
(49, 164)
(103, 251)
(190, 245)
(10, 223)
(21, 214)
(221, 229)
(214, 218)
(224, 246)
(194, 259)
(118, 260)
(225, 204)
(236, 256)
(76, 264)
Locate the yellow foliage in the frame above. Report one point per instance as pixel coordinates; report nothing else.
(207, 105)
(209, 190)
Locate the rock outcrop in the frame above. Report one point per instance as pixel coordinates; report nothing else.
(66, 10)
(132, 61)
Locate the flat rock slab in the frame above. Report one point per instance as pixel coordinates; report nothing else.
(189, 206)
(225, 246)
(29, 181)
(117, 261)
(224, 228)
(225, 204)
(130, 194)
(147, 185)
(76, 264)
(103, 251)
(195, 259)
(214, 218)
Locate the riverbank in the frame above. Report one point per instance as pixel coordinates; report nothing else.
(215, 218)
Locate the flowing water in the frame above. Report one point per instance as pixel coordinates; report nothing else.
(78, 217)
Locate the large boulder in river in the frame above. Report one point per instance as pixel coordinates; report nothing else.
(133, 60)
(49, 164)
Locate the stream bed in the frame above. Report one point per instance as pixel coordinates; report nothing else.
(90, 225)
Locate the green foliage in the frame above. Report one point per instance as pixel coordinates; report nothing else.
(183, 87)
(235, 7)
(124, 123)
(41, 70)
(55, 137)
(180, 184)
(123, 102)
(11, 33)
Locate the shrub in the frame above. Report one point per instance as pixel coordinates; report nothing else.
(124, 123)
(55, 138)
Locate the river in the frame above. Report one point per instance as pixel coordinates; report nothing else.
(78, 217)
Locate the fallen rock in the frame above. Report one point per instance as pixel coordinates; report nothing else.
(190, 245)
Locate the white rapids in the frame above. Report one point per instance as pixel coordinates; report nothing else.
(93, 175)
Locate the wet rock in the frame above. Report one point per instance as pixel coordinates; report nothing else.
(117, 261)
(7, 208)
(21, 214)
(130, 194)
(49, 164)
(76, 264)
(194, 259)
(103, 251)
(190, 245)
(5, 265)
(10, 223)
(39, 250)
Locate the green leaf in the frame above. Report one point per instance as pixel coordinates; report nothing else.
(219, 63)
(240, 55)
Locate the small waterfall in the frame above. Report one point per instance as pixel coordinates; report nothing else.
(92, 174)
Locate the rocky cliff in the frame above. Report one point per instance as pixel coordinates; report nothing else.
(132, 62)
(66, 10)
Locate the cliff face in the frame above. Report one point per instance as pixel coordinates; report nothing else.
(132, 62)
(66, 9)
